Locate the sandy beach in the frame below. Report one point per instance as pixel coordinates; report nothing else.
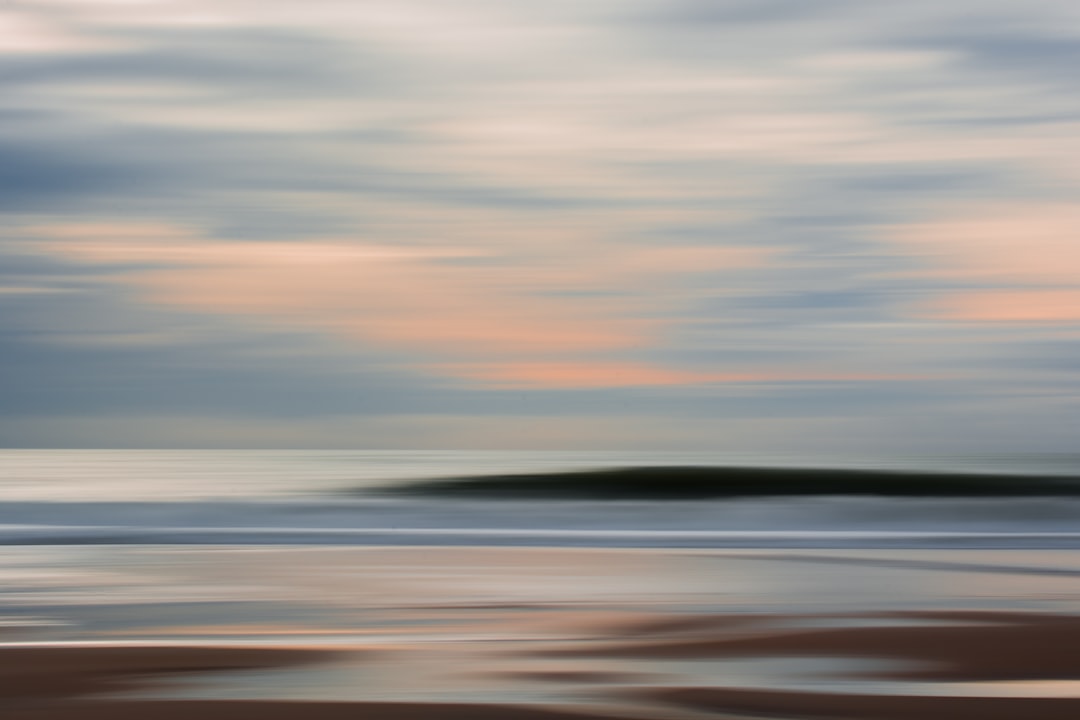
(532, 634)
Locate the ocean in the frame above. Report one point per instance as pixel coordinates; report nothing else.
(331, 497)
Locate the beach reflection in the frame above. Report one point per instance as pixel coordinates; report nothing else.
(615, 633)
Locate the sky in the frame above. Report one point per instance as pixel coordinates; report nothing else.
(737, 225)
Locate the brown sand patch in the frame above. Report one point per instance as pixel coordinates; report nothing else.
(1028, 648)
(668, 625)
(261, 710)
(990, 617)
(577, 676)
(778, 704)
(253, 630)
(56, 671)
(587, 622)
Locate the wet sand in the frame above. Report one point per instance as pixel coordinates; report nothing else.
(512, 634)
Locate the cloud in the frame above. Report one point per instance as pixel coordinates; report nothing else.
(35, 176)
(538, 375)
(1012, 306)
(1030, 53)
(969, 425)
(1027, 253)
(695, 13)
(25, 32)
(548, 375)
(1035, 242)
(411, 299)
(34, 290)
(621, 431)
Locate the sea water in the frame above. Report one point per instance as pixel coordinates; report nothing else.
(253, 497)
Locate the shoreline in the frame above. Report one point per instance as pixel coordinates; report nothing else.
(539, 539)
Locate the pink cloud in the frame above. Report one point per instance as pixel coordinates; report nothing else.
(1015, 306)
(1018, 245)
(501, 323)
(400, 299)
(599, 374)
(586, 374)
(1037, 242)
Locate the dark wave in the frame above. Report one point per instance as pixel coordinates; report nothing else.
(681, 483)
